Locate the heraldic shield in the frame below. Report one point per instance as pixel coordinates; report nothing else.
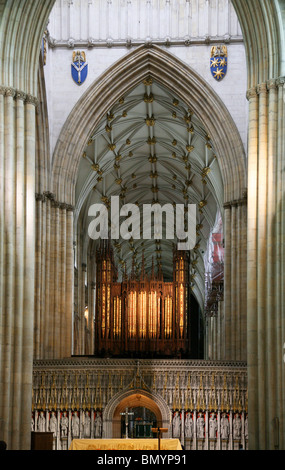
(219, 62)
(79, 67)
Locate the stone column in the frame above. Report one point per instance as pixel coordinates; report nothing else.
(227, 329)
(54, 278)
(92, 314)
(69, 284)
(83, 304)
(265, 268)
(38, 273)
(17, 261)
(279, 261)
(233, 325)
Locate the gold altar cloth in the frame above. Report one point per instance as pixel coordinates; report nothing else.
(124, 444)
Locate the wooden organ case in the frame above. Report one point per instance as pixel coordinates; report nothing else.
(142, 316)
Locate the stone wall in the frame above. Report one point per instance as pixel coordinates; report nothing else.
(107, 31)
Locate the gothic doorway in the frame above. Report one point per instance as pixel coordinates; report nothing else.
(137, 423)
(134, 417)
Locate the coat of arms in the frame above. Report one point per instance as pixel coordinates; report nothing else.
(219, 62)
(79, 67)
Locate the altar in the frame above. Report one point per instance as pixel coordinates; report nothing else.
(125, 444)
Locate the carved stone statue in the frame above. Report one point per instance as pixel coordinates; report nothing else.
(86, 425)
(189, 426)
(75, 425)
(176, 425)
(41, 422)
(200, 426)
(246, 428)
(53, 424)
(237, 427)
(64, 424)
(225, 427)
(213, 426)
(98, 425)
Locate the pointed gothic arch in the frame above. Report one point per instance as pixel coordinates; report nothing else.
(133, 398)
(124, 75)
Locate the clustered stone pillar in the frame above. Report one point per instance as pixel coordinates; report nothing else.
(84, 295)
(226, 329)
(54, 278)
(17, 261)
(265, 267)
(234, 325)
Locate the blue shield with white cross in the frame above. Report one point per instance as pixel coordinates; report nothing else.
(79, 67)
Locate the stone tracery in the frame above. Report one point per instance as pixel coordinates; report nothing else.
(204, 405)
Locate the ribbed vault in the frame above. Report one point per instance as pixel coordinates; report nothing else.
(159, 133)
(172, 74)
(151, 148)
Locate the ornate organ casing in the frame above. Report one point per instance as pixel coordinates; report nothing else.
(142, 316)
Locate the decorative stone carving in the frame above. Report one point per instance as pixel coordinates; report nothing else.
(251, 93)
(53, 424)
(188, 426)
(201, 397)
(225, 427)
(236, 426)
(75, 425)
(98, 426)
(86, 425)
(64, 425)
(213, 426)
(47, 195)
(200, 426)
(42, 422)
(176, 425)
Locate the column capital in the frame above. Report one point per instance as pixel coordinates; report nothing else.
(251, 93)
(30, 99)
(65, 206)
(18, 95)
(48, 196)
(261, 88)
(280, 81)
(70, 208)
(271, 84)
(7, 91)
(40, 197)
(237, 202)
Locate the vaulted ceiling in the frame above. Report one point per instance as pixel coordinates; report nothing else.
(149, 148)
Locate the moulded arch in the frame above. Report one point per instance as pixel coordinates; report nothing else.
(133, 398)
(124, 75)
(22, 25)
(263, 31)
